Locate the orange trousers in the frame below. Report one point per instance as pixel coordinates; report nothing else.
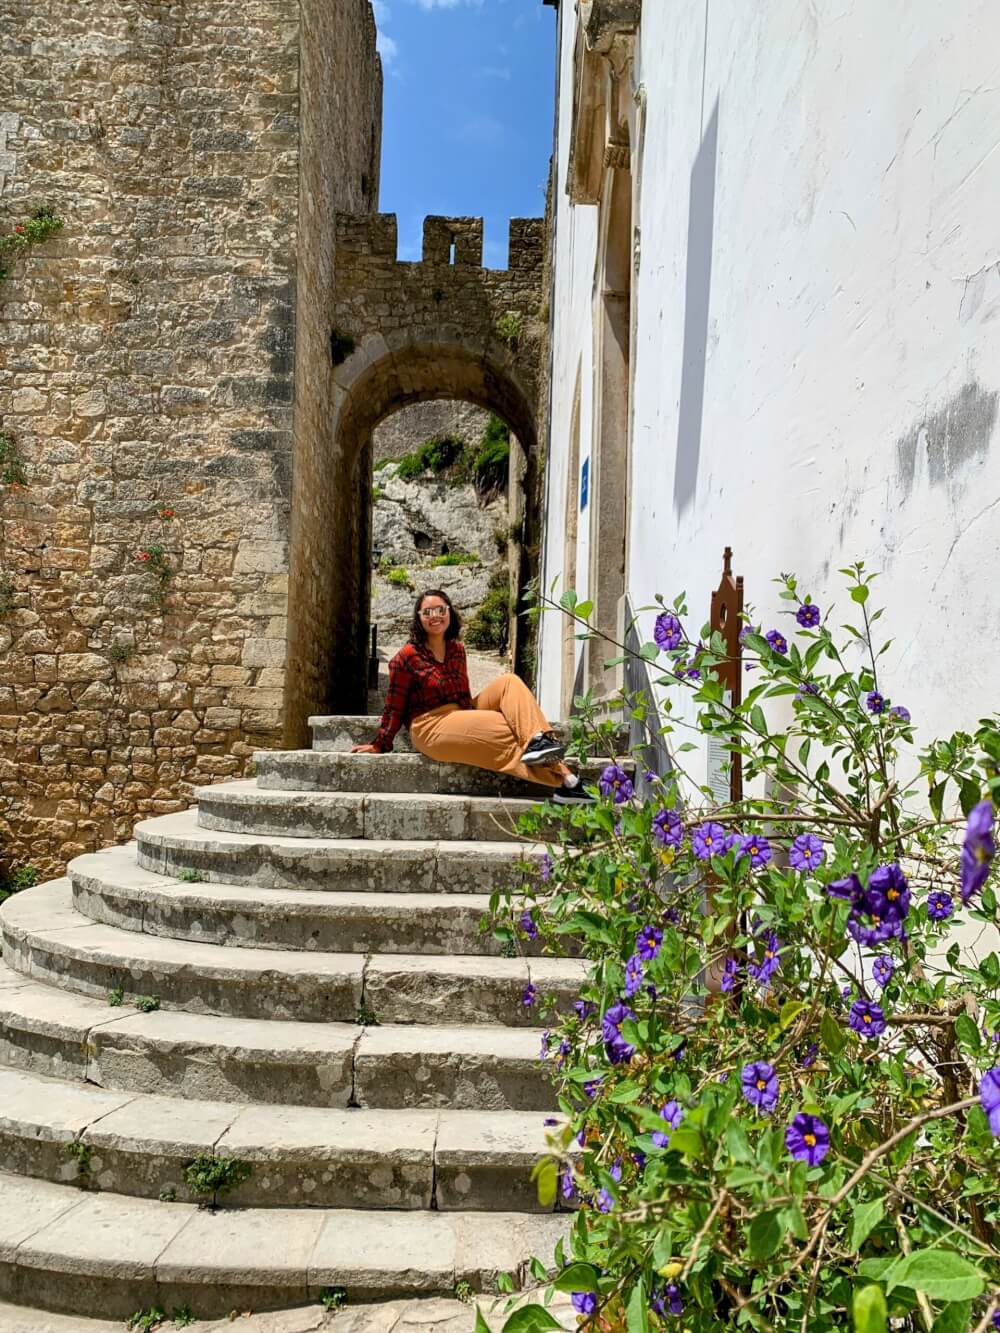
(493, 734)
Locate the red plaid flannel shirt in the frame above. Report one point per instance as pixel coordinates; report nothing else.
(418, 682)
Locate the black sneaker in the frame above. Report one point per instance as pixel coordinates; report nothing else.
(571, 796)
(545, 748)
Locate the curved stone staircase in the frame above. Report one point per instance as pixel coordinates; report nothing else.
(273, 924)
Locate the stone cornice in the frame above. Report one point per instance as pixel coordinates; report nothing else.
(604, 20)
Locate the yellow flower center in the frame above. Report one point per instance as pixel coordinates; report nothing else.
(761, 1084)
(810, 1140)
(867, 1018)
(892, 894)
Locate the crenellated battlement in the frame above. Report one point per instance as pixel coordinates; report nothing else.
(451, 242)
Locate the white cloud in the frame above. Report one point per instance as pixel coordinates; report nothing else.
(381, 11)
(448, 4)
(388, 49)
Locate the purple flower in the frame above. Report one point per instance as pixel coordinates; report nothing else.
(529, 996)
(584, 1009)
(875, 702)
(747, 630)
(591, 1087)
(615, 782)
(778, 642)
(940, 905)
(989, 1095)
(668, 828)
(673, 1115)
(808, 1057)
(903, 714)
(616, 1047)
(978, 849)
(879, 913)
(808, 615)
(760, 1085)
(708, 841)
(584, 1302)
(633, 975)
(649, 775)
(667, 631)
(647, 942)
(806, 852)
(763, 971)
(808, 687)
(730, 971)
(667, 1300)
(549, 1121)
(807, 1139)
(562, 1052)
(757, 848)
(996, 1318)
(882, 970)
(890, 880)
(671, 916)
(605, 1202)
(849, 889)
(527, 924)
(545, 868)
(867, 1019)
(567, 1185)
(546, 1038)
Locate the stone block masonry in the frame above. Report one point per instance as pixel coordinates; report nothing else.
(157, 356)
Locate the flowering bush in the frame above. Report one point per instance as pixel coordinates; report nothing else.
(782, 1078)
(34, 230)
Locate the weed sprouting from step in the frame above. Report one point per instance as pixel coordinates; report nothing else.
(190, 876)
(332, 1298)
(145, 1321)
(24, 877)
(464, 1292)
(116, 997)
(168, 1194)
(209, 1178)
(365, 1017)
(181, 1316)
(81, 1154)
(147, 1004)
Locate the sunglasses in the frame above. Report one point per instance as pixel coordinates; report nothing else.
(434, 611)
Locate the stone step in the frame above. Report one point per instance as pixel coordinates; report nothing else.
(111, 888)
(340, 731)
(174, 844)
(402, 774)
(62, 1248)
(314, 1157)
(243, 807)
(44, 937)
(211, 1058)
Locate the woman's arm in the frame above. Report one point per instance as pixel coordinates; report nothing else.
(400, 681)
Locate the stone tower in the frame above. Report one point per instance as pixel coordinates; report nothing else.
(163, 354)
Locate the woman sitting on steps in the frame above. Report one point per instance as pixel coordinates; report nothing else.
(502, 729)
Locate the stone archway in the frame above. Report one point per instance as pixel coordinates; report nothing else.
(402, 333)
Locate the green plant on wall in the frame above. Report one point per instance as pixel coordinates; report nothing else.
(210, 1177)
(434, 455)
(489, 628)
(510, 328)
(455, 558)
(13, 472)
(7, 591)
(154, 556)
(399, 578)
(34, 230)
(490, 466)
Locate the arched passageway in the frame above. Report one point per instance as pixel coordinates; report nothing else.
(442, 328)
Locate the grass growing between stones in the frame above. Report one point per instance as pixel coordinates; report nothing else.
(209, 1178)
(489, 628)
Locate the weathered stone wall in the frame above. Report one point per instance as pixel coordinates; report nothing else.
(150, 363)
(407, 429)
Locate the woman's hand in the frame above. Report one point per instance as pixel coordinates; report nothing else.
(363, 749)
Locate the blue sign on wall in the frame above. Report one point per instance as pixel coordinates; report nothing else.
(584, 484)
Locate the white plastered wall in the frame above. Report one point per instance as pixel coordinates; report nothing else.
(817, 357)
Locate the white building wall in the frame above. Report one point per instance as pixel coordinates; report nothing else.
(817, 356)
(572, 343)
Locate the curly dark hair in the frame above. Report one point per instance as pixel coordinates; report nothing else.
(417, 632)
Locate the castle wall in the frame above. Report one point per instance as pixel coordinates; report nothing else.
(159, 355)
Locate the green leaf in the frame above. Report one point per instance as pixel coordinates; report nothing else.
(942, 1275)
(568, 600)
(832, 1034)
(649, 652)
(790, 1010)
(583, 609)
(766, 1234)
(545, 1174)
(869, 1310)
(954, 1318)
(577, 1277)
(687, 1141)
(530, 1319)
(637, 1312)
(967, 1032)
(859, 595)
(866, 1218)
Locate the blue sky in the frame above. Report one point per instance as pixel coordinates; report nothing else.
(467, 126)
